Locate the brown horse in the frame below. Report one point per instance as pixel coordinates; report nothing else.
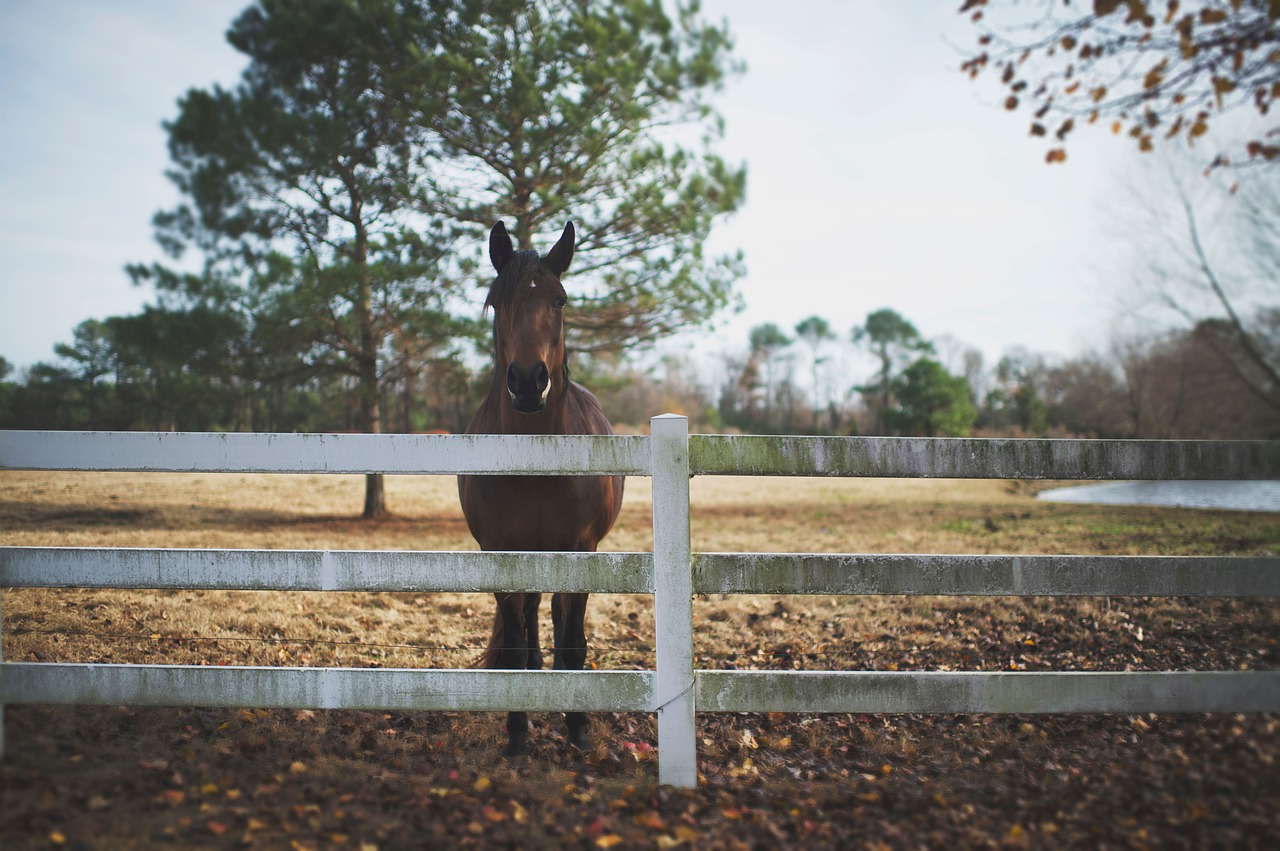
(531, 393)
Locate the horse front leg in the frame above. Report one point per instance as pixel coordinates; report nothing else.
(568, 613)
(533, 661)
(518, 611)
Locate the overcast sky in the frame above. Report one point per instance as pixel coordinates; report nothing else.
(878, 174)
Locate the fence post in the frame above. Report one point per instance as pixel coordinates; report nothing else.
(673, 602)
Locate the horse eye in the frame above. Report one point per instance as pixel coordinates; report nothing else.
(561, 302)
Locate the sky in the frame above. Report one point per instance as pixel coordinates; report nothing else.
(878, 174)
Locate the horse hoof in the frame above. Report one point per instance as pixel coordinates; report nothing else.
(578, 741)
(515, 747)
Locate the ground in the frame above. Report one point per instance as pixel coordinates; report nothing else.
(116, 777)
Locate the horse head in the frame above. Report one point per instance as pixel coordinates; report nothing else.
(528, 325)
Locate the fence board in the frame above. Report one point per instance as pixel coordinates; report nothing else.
(873, 692)
(326, 688)
(986, 575)
(982, 458)
(189, 452)
(326, 570)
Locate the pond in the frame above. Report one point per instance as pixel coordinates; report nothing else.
(1233, 495)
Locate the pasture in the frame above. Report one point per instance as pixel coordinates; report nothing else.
(115, 777)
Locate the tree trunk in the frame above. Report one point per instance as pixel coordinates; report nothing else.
(375, 497)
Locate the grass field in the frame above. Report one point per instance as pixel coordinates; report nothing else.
(132, 777)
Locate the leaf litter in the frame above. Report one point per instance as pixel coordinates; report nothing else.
(119, 777)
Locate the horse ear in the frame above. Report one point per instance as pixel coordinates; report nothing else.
(500, 249)
(558, 257)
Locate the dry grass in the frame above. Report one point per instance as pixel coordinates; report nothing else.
(448, 630)
(814, 766)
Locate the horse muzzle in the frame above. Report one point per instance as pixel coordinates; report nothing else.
(529, 387)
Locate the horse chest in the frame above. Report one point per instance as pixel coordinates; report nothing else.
(538, 512)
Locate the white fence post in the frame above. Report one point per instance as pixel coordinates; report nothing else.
(673, 602)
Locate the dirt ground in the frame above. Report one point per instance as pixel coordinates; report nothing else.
(116, 777)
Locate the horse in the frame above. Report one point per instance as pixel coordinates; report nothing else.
(530, 392)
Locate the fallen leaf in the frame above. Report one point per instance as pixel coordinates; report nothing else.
(171, 797)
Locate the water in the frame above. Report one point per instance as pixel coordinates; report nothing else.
(1239, 496)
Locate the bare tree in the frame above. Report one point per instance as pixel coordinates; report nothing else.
(1209, 263)
(815, 331)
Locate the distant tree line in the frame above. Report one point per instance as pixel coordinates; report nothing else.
(1187, 384)
(189, 371)
(164, 370)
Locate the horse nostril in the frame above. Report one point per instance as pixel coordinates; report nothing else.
(529, 386)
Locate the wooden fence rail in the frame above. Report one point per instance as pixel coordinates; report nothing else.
(671, 573)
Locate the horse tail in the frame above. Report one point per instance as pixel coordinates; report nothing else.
(489, 658)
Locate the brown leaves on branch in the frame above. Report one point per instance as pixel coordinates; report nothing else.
(1159, 70)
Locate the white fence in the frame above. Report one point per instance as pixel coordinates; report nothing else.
(672, 574)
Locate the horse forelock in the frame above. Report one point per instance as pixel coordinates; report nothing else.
(516, 283)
